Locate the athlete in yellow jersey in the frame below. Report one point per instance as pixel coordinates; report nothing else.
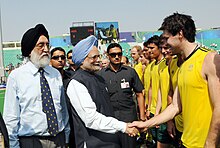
(155, 53)
(164, 140)
(198, 91)
(196, 104)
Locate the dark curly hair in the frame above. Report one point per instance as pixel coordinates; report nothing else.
(177, 22)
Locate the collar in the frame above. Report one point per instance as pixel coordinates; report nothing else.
(34, 69)
(120, 68)
(194, 50)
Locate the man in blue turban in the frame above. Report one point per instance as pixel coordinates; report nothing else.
(91, 113)
(82, 49)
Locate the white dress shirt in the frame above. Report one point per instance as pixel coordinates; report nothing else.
(23, 113)
(87, 111)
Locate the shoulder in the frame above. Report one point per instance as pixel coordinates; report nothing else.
(17, 72)
(212, 58)
(211, 63)
(52, 70)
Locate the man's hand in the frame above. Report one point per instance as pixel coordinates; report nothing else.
(171, 128)
(131, 131)
(140, 125)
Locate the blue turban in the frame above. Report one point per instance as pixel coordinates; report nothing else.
(82, 49)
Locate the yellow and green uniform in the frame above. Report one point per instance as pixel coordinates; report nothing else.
(147, 79)
(174, 69)
(114, 33)
(196, 104)
(164, 83)
(155, 85)
(139, 70)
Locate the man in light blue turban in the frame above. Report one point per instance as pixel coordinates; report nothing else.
(82, 49)
(91, 113)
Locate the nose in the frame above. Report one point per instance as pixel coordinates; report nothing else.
(46, 48)
(116, 56)
(98, 59)
(59, 59)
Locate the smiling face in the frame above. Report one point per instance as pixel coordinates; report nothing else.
(92, 61)
(173, 41)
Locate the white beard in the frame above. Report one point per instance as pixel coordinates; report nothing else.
(40, 60)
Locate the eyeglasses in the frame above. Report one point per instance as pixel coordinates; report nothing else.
(70, 57)
(41, 45)
(58, 57)
(113, 55)
(95, 57)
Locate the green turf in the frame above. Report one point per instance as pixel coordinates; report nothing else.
(2, 95)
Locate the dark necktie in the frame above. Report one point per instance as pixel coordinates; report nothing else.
(48, 105)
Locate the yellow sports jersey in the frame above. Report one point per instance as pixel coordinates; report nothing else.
(147, 79)
(155, 85)
(174, 69)
(164, 83)
(139, 70)
(196, 103)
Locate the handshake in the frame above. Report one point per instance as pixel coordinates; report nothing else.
(135, 127)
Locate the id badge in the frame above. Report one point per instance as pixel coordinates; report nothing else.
(125, 85)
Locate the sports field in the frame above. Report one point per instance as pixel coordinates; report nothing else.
(2, 95)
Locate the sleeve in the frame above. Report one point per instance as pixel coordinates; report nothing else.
(136, 82)
(86, 109)
(11, 113)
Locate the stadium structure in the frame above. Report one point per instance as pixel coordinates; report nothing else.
(12, 50)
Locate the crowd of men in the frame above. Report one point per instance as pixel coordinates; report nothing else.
(166, 97)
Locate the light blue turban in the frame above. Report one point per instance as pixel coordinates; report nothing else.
(82, 49)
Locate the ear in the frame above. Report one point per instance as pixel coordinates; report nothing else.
(181, 34)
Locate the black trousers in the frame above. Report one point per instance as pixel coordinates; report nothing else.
(43, 141)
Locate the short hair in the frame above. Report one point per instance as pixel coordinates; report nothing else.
(154, 40)
(57, 48)
(163, 40)
(137, 47)
(113, 45)
(70, 51)
(127, 60)
(145, 44)
(177, 22)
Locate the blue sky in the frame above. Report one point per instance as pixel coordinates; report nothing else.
(132, 15)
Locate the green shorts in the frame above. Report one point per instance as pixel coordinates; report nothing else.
(162, 134)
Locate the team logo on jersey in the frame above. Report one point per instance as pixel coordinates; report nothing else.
(190, 68)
